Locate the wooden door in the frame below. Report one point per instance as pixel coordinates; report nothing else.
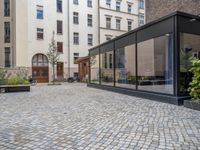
(60, 69)
(40, 74)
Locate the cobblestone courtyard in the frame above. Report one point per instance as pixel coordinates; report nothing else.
(73, 116)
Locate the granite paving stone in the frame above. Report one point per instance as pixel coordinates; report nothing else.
(76, 117)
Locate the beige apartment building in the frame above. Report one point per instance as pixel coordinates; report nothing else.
(26, 28)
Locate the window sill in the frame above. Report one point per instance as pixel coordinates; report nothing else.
(40, 39)
(59, 52)
(59, 33)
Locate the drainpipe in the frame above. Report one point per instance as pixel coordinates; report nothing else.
(68, 19)
(99, 22)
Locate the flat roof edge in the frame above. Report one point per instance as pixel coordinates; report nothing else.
(176, 13)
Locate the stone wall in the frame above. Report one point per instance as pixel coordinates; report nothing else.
(158, 8)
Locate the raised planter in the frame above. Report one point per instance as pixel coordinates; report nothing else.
(192, 105)
(14, 88)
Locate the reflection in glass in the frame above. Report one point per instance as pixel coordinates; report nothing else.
(155, 69)
(125, 67)
(189, 48)
(94, 72)
(107, 70)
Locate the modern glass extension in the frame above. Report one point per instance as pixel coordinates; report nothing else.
(152, 61)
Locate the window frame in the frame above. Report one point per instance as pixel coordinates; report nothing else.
(89, 3)
(40, 34)
(76, 38)
(60, 47)
(40, 12)
(108, 22)
(59, 6)
(59, 27)
(7, 54)
(6, 8)
(90, 20)
(90, 39)
(118, 24)
(75, 2)
(75, 17)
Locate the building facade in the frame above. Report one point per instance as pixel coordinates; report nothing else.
(27, 28)
(159, 8)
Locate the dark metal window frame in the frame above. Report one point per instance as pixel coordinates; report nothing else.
(158, 28)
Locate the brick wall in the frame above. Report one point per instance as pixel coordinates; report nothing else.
(158, 8)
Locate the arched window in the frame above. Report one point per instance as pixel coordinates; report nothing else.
(40, 60)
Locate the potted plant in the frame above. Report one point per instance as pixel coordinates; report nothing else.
(194, 89)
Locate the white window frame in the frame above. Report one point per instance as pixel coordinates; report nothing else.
(90, 39)
(75, 17)
(76, 38)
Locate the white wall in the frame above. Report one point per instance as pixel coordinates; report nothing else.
(83, 30)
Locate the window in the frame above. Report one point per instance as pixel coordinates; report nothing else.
(7, 32)
(155, 64)
(40, 14)
(141, 20)
(59, 27)
(76, 18)
(118, 24)
(40, 34)
(90, 39)
(76, 56)
(76, 75)
(60, 47)
(6, 8)
(89, 3)
(59, 5)
(108, 22)
(39, 60)
(111, 61)
(141, 4)
(108, 3)
(118, 3)
(129, 8)
(129, 25)
(7, 57)
(89, 20)
(125, 72)
(76, 38)
(105, 61)
(75, 2)
(189, 47)
(108, 37)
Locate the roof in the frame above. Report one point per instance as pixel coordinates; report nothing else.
(82, 58)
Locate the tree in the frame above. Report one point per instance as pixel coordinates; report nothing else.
(53, 55)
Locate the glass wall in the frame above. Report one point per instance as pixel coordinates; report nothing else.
(107, 68)
(125, 67)
(94, 71)
(189, 49)
(155, 64)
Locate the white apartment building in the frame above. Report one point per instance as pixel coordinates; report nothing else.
(26, 28)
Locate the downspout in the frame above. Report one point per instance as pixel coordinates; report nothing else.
(68, 18)
(99, 36)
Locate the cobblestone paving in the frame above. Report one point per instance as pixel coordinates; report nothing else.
(75, 117)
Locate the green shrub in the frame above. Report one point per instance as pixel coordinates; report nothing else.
(2, 74)
(17, 81)
(194, 88)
